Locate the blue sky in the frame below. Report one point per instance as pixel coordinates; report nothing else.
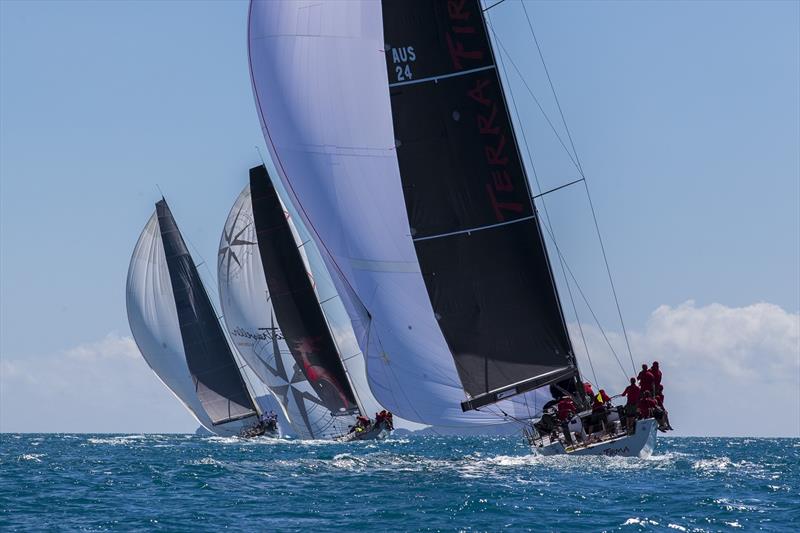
(686, 117)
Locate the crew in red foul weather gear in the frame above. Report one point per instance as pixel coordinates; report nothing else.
(646, 405)
(632, 394)
(566, 408)
(646, 379)
(656, 371)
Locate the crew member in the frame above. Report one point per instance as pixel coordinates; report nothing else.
(664, 417)
(646, 405)
(631, 393)
(656, 376)
(599, 411)
(566, 408)
(646, 379)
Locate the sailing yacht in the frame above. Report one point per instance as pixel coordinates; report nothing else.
(177, 332)
(388, 125)
(274, 316)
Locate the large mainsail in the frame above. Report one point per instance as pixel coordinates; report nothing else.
(250, 310)
(177, 331)
(470, 210)
(319, 78)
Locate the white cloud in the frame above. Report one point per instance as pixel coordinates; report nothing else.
(727, 370)
(100, 386)
(111, 347)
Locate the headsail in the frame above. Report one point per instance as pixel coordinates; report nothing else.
(470, 210)
(154, 321)
(251, 321)
(319, 79)
(219, 384)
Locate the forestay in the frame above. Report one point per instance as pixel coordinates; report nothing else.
(319, 78)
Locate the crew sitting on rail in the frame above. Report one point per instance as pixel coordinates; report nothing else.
(664, 424)
(385, 417)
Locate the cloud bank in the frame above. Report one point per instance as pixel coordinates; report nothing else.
(102, 386)
(727, 370)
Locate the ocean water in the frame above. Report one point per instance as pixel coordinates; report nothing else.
(190, 483)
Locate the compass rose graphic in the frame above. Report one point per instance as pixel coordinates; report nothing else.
(288, 389)
(232, 250)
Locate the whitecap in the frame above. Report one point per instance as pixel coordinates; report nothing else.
(31, 457)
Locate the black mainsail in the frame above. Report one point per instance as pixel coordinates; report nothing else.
(218, 381)
(292, 295)
(472, 216)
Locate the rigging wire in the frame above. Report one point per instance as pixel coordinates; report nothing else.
(547, 214)
(588, 194)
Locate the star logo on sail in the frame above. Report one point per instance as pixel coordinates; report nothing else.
(231, 249)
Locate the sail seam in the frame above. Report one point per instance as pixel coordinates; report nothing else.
(472, 230)
(436, 79)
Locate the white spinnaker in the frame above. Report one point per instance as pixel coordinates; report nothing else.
(153, 320)
(251, 323)
(319, 78)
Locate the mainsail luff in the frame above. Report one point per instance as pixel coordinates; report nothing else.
(292, 295)
(218, 381)
(471, 213)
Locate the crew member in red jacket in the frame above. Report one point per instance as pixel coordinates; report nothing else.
(656, 371)
(646, 379)
(646, 405)
(631, 393)
(566, 408)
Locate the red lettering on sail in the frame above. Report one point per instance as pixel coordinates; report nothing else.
(455, 9)
(486, 124)
(494, 155)
(502, 181)
(476, 93)
(499, 207)
(457, 52)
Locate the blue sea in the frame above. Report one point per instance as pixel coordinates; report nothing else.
(190, 483)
